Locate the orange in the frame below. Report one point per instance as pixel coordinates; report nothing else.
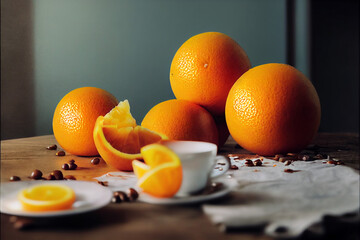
(161, 174)
(204, 69)
(47, 197)
(181, 120)
(119, 140)
(74, 118)
(273, 108)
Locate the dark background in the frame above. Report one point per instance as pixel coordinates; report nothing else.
(321, 38)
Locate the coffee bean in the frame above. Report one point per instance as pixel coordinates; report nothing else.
(105, 183)
(133, 194)
(234, 167)
(15, 178)
(320, 156)
(288, 170)
(278, 156)
(220, 163)
(331, 162)
(258, 162)
(116, 199)
(249, 163)
(36, 174)
(95, 161)
(50, 177)
(57, 174)
(60, 153)
(65, 166)
(122, 196)
(70, 177)
(52, 147)
(287, 162)
(72, 166)
(72, 161)
(307, 158)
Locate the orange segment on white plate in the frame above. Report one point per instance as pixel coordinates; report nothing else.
(119, 139)
(46, 197)
(161, 174)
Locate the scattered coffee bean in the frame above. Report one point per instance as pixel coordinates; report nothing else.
(123, 197)
(50, 177)
(65, 166)
(331, 162)
(339, 162)
(320, 156)
(288, 170)
(249, 163)
(70, 177)
(36, 174)
(60, 153)
(15, 178)
(287, 162)
(51, 147)
(95, 161)
(72, 166)
(220, 163)
(133, 194)
(72, 161)
(234, 167)
(57, 174)
(257, 162)
(278, 156)
(116, 199)
(307, 158)
(105, 183)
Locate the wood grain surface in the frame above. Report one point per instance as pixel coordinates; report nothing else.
(138, 220)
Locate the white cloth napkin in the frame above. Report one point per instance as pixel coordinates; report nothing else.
(292, 201)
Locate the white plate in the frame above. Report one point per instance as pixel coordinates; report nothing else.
(89, 196)
(143, 197)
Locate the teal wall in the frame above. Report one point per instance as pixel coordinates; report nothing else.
(126, 46)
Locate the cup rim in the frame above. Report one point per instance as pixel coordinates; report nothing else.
(211, 146)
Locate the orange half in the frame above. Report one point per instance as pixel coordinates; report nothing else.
(161, 174)
(118, 139)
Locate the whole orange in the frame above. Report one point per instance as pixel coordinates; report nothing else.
(204, 69)
(181, 120)
(75, 116)
(273, 108)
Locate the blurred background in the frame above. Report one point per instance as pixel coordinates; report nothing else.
(50, 47)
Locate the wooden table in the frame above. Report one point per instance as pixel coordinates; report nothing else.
(140, 220)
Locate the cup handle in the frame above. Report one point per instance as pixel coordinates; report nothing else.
(222, 165)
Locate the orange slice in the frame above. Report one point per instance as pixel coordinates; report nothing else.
(47, 197)
(118, 139)
(161, 174)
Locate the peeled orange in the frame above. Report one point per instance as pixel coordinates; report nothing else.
(273, 108)
(47, 197)
(161, 174)
(118, 139)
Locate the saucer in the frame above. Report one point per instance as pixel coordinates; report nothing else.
(89, 196)
(177, 200)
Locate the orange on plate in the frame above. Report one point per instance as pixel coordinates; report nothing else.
(75, 116)
(273, 108)
(161, 174)
(204, 69)
(119, 140)
(182, 120)
(47, 197)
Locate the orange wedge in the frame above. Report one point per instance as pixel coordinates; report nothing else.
(46, 197)
(118, 139)
(161, 174)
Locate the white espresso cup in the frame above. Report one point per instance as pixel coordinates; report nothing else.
(198, 160)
